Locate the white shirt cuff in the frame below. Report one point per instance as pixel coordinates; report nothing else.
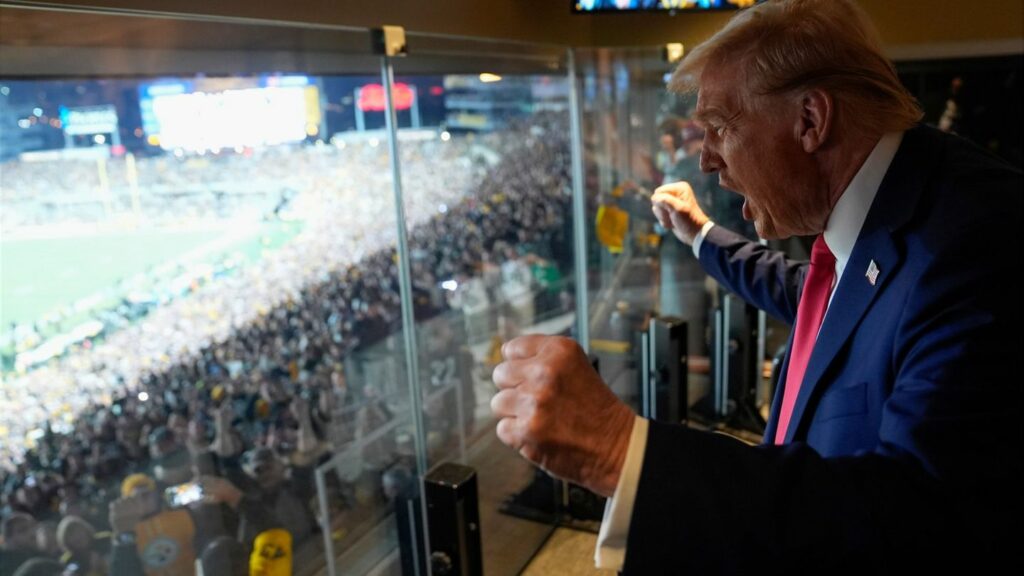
(611, 539)
(699, 238)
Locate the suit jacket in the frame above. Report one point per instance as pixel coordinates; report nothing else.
(904, 449)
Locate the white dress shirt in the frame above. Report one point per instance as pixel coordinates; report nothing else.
(841, 232)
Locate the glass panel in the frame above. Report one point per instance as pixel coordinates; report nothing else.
(485, 169)
(635, 131)
(638, 136)
(200, 298)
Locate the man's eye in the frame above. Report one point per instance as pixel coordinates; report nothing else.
(720, 130)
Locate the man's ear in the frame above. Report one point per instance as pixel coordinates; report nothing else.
(817, 112)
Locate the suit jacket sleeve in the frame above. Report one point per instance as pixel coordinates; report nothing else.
(762, 277)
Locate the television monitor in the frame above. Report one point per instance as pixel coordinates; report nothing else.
(585, 6)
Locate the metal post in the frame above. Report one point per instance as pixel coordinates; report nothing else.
(322, 94)
(579, 212)
(405, 291)
(651, 375)
(405, 283)
(720, 357)
(762, 353)
(459, 408)
(645, 375)
(360, 119)
(414, 111)
(412, 530)
(133, 186)
(726, 349)
(325, 520)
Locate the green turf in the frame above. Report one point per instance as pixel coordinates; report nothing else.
(39, 276)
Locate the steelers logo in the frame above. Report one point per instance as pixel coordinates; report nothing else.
(160, 553)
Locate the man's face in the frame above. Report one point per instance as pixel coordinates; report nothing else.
(667, 143)
(753, 142)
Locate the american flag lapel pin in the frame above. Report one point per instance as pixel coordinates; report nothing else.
(872, 273)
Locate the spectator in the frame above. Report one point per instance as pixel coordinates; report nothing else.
(224, 556)
(19, 542)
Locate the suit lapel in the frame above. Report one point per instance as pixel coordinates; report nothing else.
(893, 206)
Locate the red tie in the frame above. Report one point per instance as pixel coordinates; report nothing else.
(809, 314)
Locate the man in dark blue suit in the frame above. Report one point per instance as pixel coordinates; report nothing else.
(894, 442)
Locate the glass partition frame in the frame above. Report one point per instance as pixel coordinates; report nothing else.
(225, 46)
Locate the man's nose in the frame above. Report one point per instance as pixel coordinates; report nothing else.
(709, 161)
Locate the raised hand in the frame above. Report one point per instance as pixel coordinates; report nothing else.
(676, 208)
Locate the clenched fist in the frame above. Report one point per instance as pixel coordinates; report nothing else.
(676, 208)
(555, 410)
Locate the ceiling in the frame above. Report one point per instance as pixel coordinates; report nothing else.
(57, 42)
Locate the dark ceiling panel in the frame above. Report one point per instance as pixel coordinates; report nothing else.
(56, 42)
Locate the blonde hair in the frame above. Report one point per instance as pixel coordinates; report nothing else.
(784, 46)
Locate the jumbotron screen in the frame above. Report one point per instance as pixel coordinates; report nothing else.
(211, 114)
(583, 6)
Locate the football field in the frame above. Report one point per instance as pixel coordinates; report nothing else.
(39, 276)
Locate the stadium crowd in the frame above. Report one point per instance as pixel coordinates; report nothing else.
(248, 383)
